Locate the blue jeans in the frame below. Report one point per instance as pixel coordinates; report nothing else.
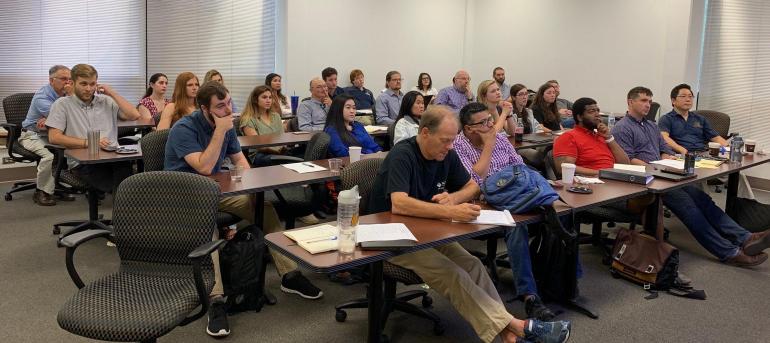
(710, 226)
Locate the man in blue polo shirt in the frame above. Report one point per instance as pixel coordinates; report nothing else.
(198, 143)
(710, 226)
(684, 130)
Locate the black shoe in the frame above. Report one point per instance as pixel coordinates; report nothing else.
(43, 199)
(217, 326)
(295, 282)
(536, 309)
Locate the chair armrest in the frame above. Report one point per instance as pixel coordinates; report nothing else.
(9, 126)
(284, 159)
(52, 146)
(205, 249)
(128, 140)
(76, 239)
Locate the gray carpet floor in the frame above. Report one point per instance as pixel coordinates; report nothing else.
(35, 283)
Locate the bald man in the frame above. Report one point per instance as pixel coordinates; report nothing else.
(311, 114)
(458, 94)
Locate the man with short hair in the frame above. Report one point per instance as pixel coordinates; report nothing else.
(684, 130)
(483, 151)
(423, 177)
(711, 227)
(198, 143)
(311, 113)
(34, 129)
(91, 107)
(499, 75)
(363, 97)
(329, 75)
(458, 94)
(389, 102)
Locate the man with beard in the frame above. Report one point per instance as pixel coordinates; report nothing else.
(505, 89)
(92, 107)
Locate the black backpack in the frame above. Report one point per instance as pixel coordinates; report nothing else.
(554, 252)
(242, 264)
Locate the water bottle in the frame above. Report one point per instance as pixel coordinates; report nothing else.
(347, 219)
(518, 133)
(93, 142)
(610, 121)
(736, 149)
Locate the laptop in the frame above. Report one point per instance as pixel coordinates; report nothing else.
(671, 177)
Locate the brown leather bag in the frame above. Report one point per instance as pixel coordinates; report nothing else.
(644, 260)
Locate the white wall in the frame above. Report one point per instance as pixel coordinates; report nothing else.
(374, 36)
(596, 48)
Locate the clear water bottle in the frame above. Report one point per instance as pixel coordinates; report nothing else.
(736, 149)
(610, 121)
(518, 134)
(347, 220)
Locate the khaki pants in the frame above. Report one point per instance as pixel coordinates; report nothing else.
(459, 276)
(32, 142)
(243, 206)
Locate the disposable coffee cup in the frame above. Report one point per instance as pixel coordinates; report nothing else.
(714, 149)
(750, 145)
(355, 153)
(567, 173)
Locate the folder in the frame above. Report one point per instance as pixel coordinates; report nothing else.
(626, 176)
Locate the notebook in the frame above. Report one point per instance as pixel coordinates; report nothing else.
(316, 239)
(391, 236)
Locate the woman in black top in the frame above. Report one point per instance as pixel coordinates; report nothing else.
(544, 109)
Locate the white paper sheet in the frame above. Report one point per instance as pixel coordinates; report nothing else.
(375, 128)
(670, 163)
(588, 180)
(630, 167)
(383, 232)
(365, 111)
(492, 217)
(304, 167)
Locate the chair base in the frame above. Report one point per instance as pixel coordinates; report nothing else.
(20, 187)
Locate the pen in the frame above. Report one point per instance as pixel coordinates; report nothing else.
(330, 238)
(308, 165)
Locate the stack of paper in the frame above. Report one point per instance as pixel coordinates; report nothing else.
(588, 180)
(316, 239)
(708, 164)
(676, 164)
(384, 236)
(492, 217)
(304, 167)
(375, 128)
(631, 167)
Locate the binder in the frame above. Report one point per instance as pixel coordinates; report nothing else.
(626, 176)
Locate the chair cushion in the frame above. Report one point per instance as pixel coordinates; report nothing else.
(26, 154)
(140, 302)
(225, 219)
(615, 212)
(401, 274)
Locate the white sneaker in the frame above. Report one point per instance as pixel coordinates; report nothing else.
(309, 219)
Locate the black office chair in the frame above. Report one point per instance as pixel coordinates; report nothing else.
(153, 154)
(16, 107)
(361, 173)
(391, 135)
(720, 122)
(165, 266)
(652, 115)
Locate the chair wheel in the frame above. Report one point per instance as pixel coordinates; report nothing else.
(427, 301)
(438, 329)
(340, 316)
(56, 230)
(8, 197)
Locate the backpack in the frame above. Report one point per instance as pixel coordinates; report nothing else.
(242, 264)
(650, 262)
(554, 250)
(518, 189)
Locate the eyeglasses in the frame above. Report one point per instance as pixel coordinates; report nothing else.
(522, 94)
(483, 122)
(685, 96)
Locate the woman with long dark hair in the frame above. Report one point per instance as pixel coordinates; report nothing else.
(344, 130)
(183, 101)
(280, 104)
(408, 120)
(425, 85)
(154, 100)
(544, 108)
(519, 96)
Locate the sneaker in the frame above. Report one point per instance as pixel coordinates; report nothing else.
(217, 326)
(295, 282)
(547, 332)
(536, 309)
(309, 219)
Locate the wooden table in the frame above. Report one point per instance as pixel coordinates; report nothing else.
(430, 233)
(533, 140)
(608, 192)
(277, 139)
(137, 124)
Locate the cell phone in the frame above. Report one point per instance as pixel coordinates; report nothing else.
(580, 189)
(675, 171)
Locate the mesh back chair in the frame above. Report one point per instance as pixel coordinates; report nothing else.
(719, 121)
(16, 107)
(391, 135)
(652, 115)
(360, 173)
(164, 222)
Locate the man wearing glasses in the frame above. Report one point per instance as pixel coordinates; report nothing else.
(33, 128)
(389, 102)
(684, 130)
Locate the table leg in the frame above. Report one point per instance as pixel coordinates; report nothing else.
(653, 216)
(93, 221)
(732, 193)
(259, 221)
(376, 300)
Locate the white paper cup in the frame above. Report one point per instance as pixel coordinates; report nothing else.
(714, 148)
(355, 153)
(749, 146)
(567, 173)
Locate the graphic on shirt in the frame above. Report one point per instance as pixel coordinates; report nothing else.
(441, 187)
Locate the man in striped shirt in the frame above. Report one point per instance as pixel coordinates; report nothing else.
(483, 151)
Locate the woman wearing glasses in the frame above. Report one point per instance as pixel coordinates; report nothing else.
(519, 94)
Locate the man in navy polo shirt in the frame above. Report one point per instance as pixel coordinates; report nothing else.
(198, 143)
(684, 130)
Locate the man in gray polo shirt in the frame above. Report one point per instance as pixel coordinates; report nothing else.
(311, 114)
(73, 116)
